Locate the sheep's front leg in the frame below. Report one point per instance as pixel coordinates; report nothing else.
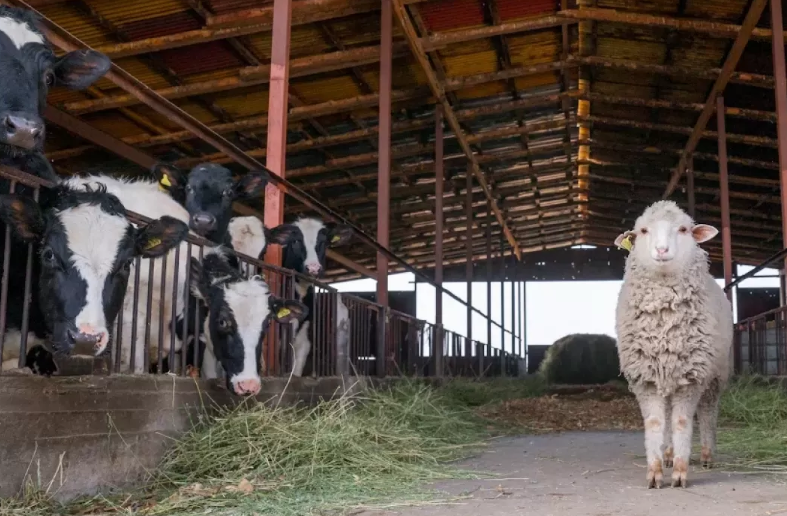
(669, 453)
(653, 409)
(707, 414)
(684, 405)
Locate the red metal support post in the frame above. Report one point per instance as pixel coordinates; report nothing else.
(277, 145)
(437, 348)
(780, 90)
(384, 170)
(469, 256)
(488, 348)
(690, 186)
(724, 194)
(502, 307)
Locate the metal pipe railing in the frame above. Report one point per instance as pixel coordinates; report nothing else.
(780, 255)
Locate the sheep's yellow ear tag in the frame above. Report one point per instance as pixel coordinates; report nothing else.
(153, 242)
(282, 313)
(626, 243)
(335, 239)
(164, 182)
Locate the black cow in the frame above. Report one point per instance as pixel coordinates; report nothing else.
(239, 313)
(83, 246)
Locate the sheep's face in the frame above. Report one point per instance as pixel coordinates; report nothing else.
(665, 237)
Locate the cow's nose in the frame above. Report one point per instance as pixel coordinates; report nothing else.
(314, 269)
(203, 221)
(89, 337)
(22, 131)
(247, 388)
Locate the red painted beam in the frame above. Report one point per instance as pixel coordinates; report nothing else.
(781, 106)
(724, 194)
(438, 247)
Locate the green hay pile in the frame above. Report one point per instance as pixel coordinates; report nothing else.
(342, 455)
(753, 421)
(581, 359)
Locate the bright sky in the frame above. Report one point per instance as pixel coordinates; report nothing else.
(554, 309)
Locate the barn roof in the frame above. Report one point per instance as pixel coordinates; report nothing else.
(567, 161)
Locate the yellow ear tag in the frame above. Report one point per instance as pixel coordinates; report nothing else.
(164, 182)
(153, 242)
(626, 243)
(335, 239)
(284, 312)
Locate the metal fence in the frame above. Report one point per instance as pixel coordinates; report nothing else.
(144, 340)
(761, 343)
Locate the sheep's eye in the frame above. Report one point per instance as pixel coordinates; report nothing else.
(682, 229)
(644, 231)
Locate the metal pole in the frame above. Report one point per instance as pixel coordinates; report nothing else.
(513, 305)
(524, 320)
(278, 94)
(690, 186)
(437, 348)
(384, 173)
(488, 282)
(469, 257)
(780, 91)
(502, 308)
(724, 193)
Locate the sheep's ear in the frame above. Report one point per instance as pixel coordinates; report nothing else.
(625, 240)
(703, 232)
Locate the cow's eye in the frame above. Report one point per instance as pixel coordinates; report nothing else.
(227, 192)
(189, 189)
(49, 78)
(224, 324)
(48, 256)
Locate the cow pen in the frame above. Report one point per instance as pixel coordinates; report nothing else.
(495, 142)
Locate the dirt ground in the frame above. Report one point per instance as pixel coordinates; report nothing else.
(594, 474)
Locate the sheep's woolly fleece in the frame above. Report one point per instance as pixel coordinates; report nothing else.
(671, 327)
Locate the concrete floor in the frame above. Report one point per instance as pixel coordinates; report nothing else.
(595, 474)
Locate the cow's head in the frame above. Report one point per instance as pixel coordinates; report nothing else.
(239, 312)
(249, 236)
(306, 241)
(28, 68)
(85, 246)
(207, 192)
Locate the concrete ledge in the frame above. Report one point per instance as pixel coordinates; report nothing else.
(103, 432)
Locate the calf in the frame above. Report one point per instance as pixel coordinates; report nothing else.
(28, 68)
(239, 311)
(305, 243)
(84, 246)
(144, 197)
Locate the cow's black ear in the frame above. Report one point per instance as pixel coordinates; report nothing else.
(23, 215)
(79, 69)
(282, 234)
(251, 184)
(170, 179)
(338, 234)
(159, 237)
(286, 310)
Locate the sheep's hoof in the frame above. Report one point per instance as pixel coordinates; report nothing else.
(668, 456)
(679, 473)
(655, 475)
(706, 458)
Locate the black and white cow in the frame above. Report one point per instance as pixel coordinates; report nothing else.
(305, 243)
(143, 196)
(28, 68)
(84, 246)
(239, 312)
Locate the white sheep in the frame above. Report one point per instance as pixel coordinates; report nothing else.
(674, 327)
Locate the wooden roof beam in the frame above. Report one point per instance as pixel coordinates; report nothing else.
(749, 23)
(712, 28)
(450, 117)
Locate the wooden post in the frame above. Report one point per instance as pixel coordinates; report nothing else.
(384, 177)
(437, 348)
(469, 255)
(277, 149)
(777, 26)
(690, 186)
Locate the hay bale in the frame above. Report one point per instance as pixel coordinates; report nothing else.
(581, 359)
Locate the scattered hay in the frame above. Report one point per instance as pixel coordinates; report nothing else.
(606, 409)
